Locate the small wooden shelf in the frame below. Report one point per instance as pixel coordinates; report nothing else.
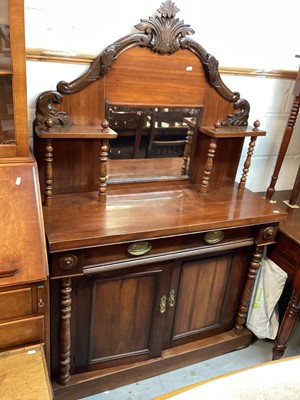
(102, 132)
(77, 132)
(230, 131)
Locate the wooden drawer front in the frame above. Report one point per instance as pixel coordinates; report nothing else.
(16, 303)
(73, 263)
(22, 332)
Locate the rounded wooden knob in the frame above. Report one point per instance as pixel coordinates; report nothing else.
(68, 262)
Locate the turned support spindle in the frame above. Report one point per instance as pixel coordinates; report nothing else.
(103, 157)
(65, 331)
(209, 162)
(247, 162)
(284, 146)
(48, 174)
(187, 151)
(248, 289)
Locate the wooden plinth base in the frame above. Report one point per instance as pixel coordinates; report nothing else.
(90, 383)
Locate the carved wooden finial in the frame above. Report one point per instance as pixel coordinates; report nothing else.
(105, 126)
(49, 123)
(217, 125)
(168, 9)
(256, 125)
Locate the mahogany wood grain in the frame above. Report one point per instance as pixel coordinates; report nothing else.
(79, 220)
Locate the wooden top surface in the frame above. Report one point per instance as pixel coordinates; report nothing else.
(22, 237)
(76, 220)
(23, 375)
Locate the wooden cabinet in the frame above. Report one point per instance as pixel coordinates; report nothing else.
(133, 314)
(24, 303)
(152, 260)
(24, 293)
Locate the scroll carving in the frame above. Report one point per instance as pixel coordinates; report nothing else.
(240, 118)
(164, 34)
(47, 114)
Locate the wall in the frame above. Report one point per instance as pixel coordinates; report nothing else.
(261, 36)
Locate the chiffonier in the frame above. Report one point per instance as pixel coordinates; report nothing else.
(24, 305)
(153, 245)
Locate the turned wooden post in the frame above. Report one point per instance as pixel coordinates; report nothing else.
(248, 289)
(65, 331)
(209, 165)
(288, 323)
(187, 151)
(103, 157)
(247, 162)
(286, 138)
(48, 174)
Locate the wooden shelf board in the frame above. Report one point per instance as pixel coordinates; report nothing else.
(77, 132)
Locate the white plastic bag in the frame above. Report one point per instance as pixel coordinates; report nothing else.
(263, 319)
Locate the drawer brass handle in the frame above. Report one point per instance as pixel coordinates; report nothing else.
(41, 303)
(171, 301)
(163, 304)
(213, 237)
(139, 248)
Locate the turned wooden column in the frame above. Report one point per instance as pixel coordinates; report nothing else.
(187, 151)
(286, 138)
(248, 289)
(209, 165)
(103, 157)
(288, 323)
(48, 175)
(65, 331)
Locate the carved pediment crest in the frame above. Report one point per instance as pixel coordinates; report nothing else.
(164, 30)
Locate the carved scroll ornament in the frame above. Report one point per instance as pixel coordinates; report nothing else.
(164, 34)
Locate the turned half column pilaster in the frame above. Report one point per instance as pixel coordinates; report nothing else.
(248, 289)
(65, 331)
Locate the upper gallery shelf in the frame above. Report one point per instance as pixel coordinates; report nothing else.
(146, 85)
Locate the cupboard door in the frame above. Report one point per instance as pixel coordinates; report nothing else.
(121, 316)
(208, 296)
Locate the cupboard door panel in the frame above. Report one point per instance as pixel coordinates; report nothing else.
(205, 288)
(121, 316)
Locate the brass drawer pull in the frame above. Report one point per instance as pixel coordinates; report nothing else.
(171, 301)
(163, 304)
(213, 237)
(139, 248)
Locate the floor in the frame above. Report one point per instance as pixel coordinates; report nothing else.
(258, 352)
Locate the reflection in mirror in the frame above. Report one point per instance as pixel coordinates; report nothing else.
(158, 135)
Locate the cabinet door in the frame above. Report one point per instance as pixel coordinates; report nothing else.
(208, 297)
(120, 316)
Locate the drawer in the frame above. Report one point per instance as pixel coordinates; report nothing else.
(21, 332)
(16, 303)
(152, 250)
(21, 302)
